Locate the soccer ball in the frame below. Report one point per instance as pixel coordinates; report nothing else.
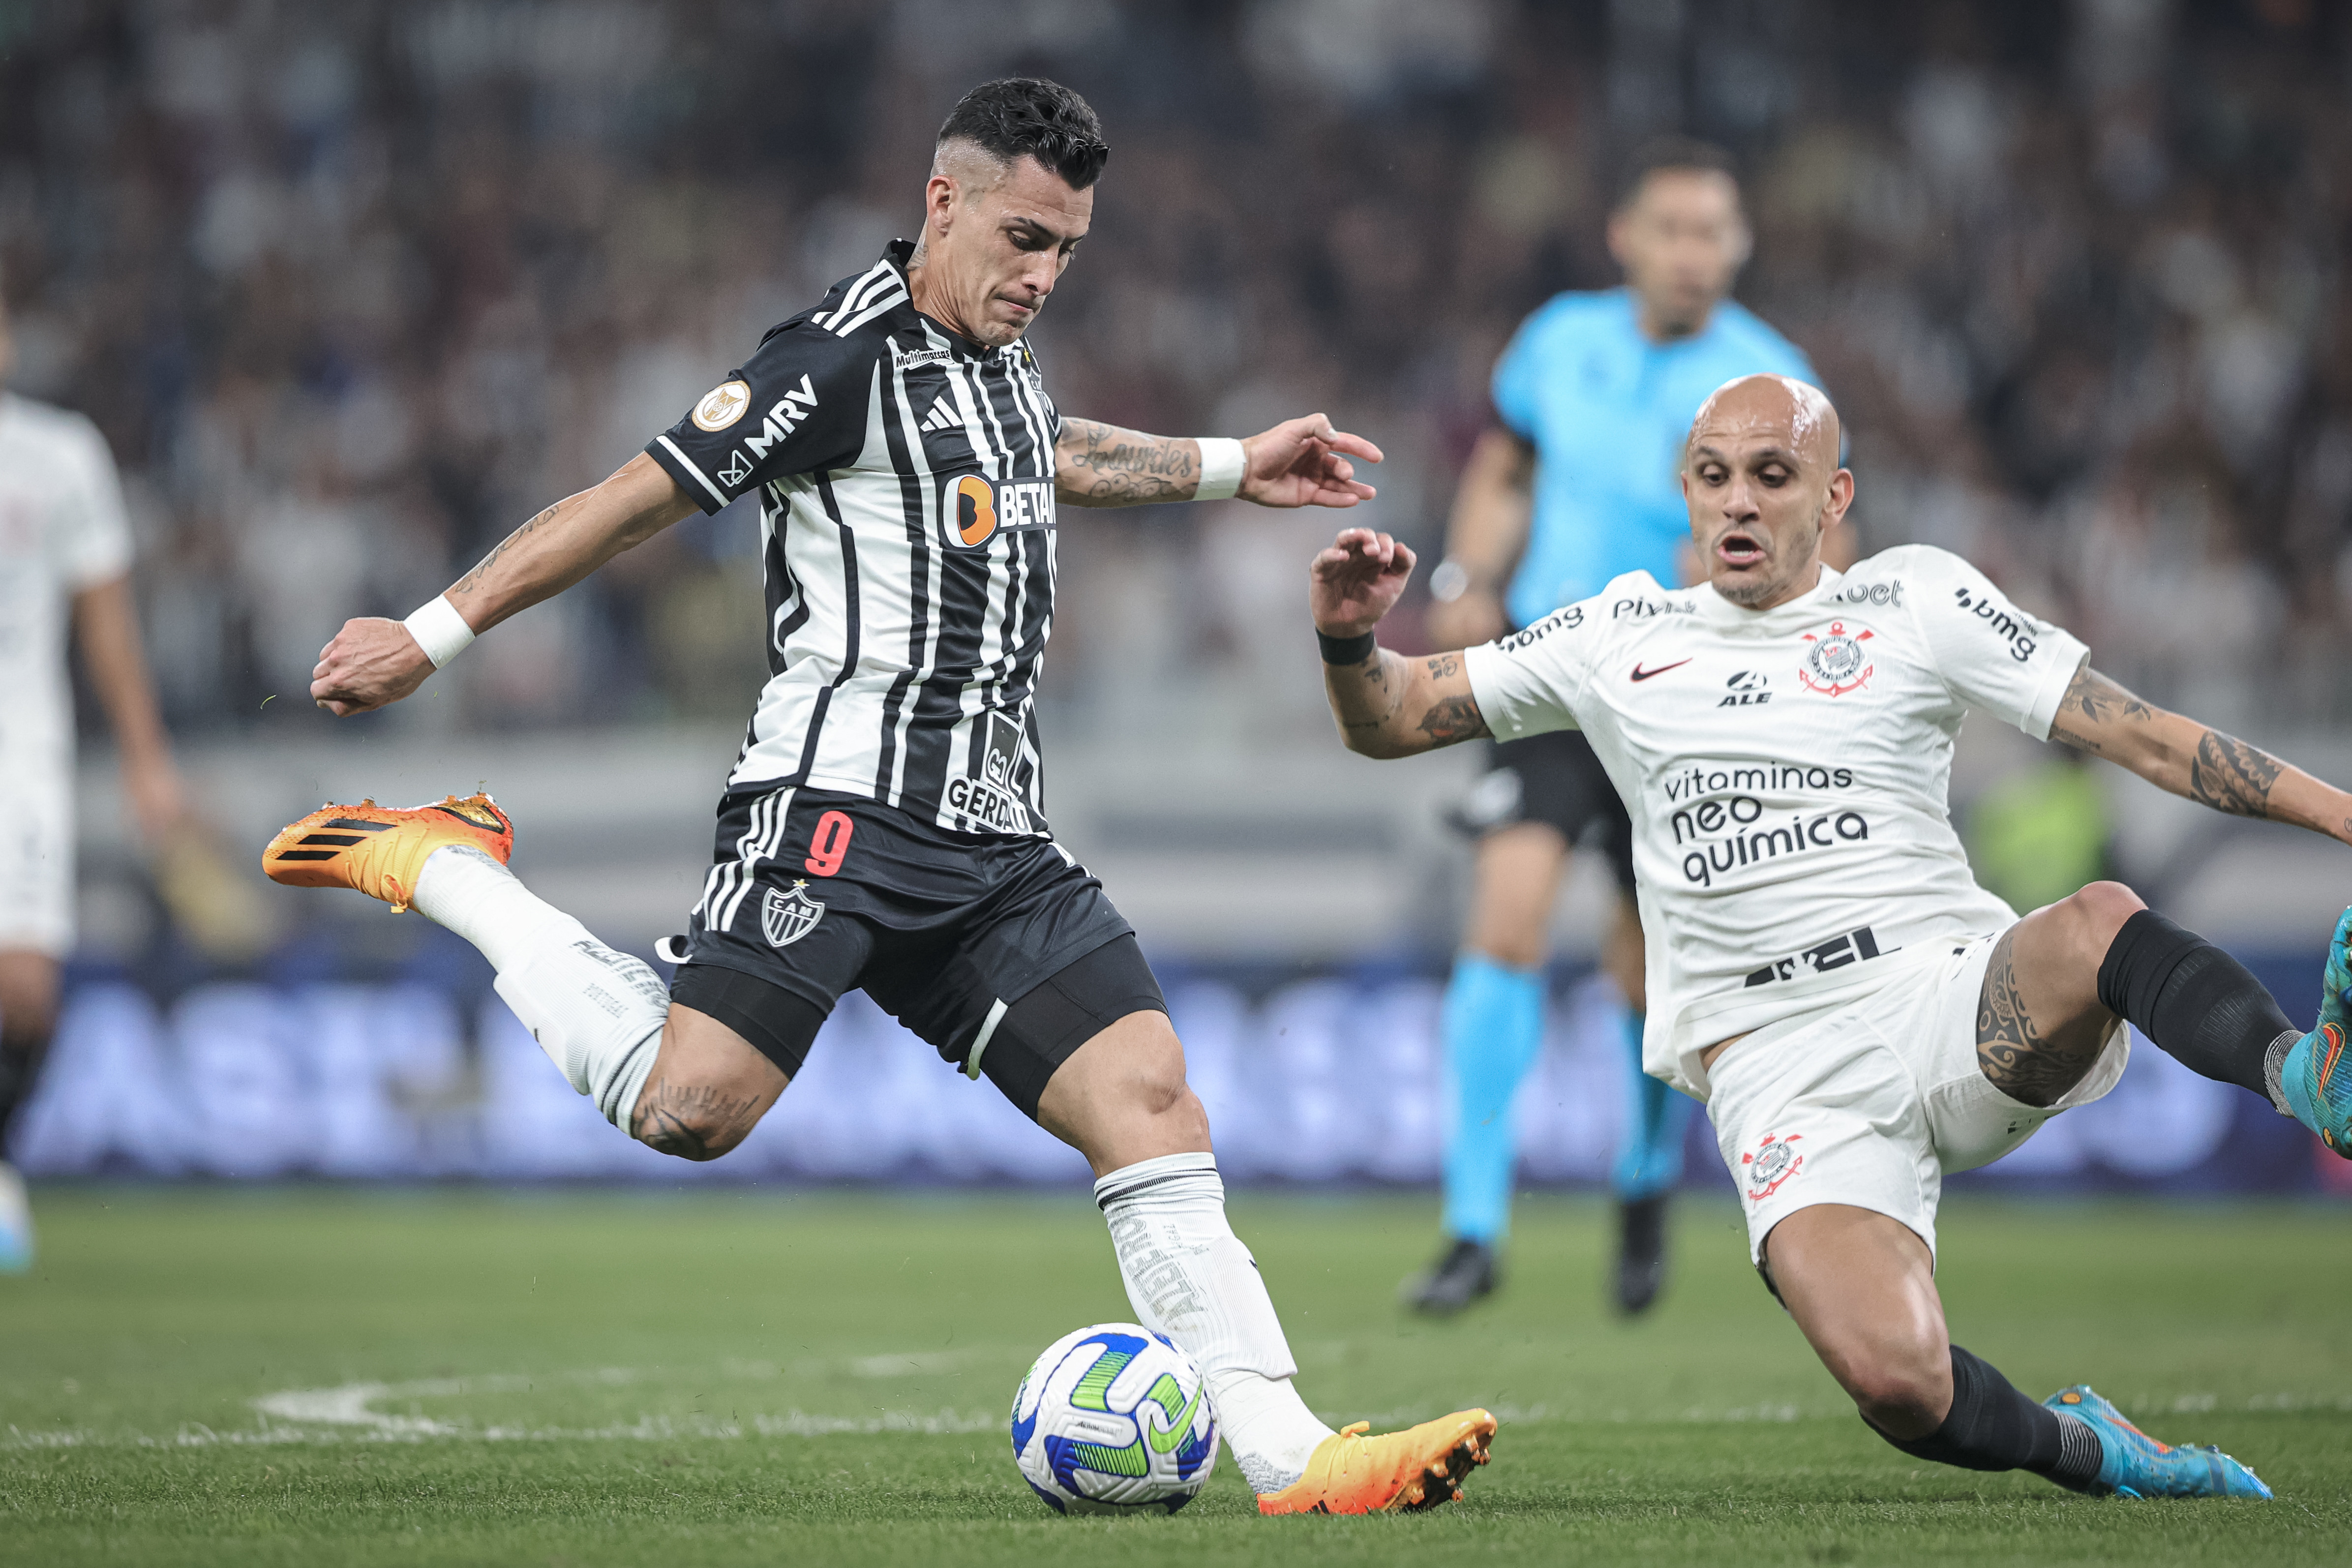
(1113, 1419)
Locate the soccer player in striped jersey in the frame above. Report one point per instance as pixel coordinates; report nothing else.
(883, 827)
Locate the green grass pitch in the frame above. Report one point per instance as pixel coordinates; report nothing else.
(300, 1376)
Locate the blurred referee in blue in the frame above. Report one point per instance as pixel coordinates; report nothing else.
(1576, 483)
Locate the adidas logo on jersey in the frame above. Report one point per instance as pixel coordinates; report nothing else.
(941, 417)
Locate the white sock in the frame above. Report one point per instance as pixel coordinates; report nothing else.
(1189, 1278)
(596, 1013)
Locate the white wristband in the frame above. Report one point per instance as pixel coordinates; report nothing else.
(1222, 463)
(439, 630)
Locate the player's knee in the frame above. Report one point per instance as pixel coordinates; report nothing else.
(2097, 913)
(693, 1122)
(1156, 1084)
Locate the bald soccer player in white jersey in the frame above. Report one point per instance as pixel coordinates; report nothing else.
(883, 827)
(64, 557)
(1824, 973)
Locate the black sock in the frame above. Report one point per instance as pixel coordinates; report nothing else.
(1992, 1426)
(2197, 1002)
(20, 1067)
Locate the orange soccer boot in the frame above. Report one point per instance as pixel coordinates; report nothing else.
(1416, 1469)
(379, 850)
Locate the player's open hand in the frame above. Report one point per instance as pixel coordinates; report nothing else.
(371, 663)
(1356, 582)
(1304, 462)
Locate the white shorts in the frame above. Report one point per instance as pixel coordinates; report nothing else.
(36, 876)
(1871, 1102)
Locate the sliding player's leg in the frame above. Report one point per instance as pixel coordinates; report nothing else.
(2068, 970)
(1492, 1028)
(1861, 1286)
(1840, 1127)
(28, 1011)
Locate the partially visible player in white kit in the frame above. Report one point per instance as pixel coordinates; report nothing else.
(65, 555)
(1824, 973)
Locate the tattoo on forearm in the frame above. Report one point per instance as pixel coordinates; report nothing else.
(2230, 775)
(472, 579)
(2011, 1050)
(2097, 699)
(1105, 465)
(674, 1119)
(1453, 719)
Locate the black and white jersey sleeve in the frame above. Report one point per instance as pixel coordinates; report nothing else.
(798, 406)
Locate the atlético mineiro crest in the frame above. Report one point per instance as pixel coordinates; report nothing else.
(1836, 663)
(1775, 1161)
(788, 917)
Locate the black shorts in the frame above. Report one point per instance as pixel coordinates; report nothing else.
(1003, 953)
(1552, 778)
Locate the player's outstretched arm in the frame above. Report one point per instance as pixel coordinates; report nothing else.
(373, 662)
(1300, 462)
(1387, 705)
(2178, 753)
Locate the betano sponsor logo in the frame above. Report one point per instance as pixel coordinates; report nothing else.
(973, 509)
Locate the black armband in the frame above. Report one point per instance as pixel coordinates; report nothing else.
(1346, 650)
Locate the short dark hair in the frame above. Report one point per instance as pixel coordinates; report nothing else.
(1026, 116)
(1672, 153)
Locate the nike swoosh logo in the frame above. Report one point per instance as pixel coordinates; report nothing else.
(1641, 674)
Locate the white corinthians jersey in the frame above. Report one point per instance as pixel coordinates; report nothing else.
(61, 531)
(1786, 772)
(906, 481)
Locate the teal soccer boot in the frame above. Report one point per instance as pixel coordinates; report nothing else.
(2133, 1464)
(2315, 1079)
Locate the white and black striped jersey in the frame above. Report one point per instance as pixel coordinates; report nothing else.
(907, 526)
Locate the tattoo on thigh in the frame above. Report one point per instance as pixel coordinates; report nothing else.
(674, 1119)
(2011, 1049)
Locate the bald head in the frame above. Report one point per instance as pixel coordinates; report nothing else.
(1761, 478)
(1780, 405)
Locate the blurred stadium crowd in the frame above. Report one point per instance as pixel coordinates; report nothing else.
(354, 288)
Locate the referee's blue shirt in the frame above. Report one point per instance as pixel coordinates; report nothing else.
(1607, 412)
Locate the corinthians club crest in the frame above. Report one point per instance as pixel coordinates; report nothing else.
(1772, 1164)
(788, 917)
(1837, 662)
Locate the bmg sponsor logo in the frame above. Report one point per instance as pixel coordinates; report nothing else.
(2013, 625)
(1561, 620)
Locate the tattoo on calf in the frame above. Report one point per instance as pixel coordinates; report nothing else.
(2011, 1049)
(1453, 719)
(676, 1120)
(2230, 775)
